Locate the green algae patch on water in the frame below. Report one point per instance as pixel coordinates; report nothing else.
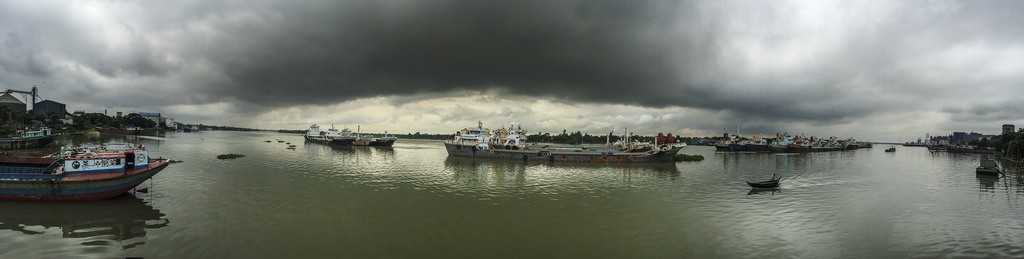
(229, 156)
(689, 158)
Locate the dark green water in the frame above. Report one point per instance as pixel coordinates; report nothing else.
(413, 201)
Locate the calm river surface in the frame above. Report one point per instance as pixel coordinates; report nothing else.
(414, 201)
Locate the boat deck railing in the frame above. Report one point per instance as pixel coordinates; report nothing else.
(8, 170)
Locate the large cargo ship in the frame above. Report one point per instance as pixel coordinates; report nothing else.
(332, 136)
(511, 144)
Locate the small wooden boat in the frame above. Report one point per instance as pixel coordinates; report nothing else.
(773, 183)
(988, 167)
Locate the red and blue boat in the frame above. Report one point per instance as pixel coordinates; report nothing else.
(78, 174)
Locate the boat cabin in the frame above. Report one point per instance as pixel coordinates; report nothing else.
(511, 138)
(314, 131)
(110, 157)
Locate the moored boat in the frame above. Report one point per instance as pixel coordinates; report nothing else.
(28, 139)
(384, 141)
(332, 136)
(511, 144)
(988, 167)
(375, 142)
(337, 137)
(78, 174)
(313, 134)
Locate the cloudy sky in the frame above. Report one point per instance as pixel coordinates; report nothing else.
(874, 70)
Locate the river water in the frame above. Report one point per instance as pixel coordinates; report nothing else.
(414, 201)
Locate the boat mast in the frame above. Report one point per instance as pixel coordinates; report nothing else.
(608, 139)
(625, 131)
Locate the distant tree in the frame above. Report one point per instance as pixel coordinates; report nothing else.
(136, 120)
(1012, 145)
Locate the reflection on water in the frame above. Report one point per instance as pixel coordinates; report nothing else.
(988, 182)
(121, 222)
(470, 171)
(412, 200)
(97, 139)
(558, 174)
(760, 191)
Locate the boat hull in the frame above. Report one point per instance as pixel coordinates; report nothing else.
(341, 142)
(806, 149)
(987, 171)
(737, 147)
(24, 143)
(764, 184)
(556, 155)
(757, 147)
(778, 149)
(374, 143)
(77, 187)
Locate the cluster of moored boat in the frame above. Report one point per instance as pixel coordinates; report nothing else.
(786, 143)
(346, 137)
(510, 143)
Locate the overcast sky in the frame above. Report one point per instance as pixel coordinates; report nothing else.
(874, 70)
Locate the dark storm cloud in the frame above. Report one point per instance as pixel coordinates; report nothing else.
(590, 51)
(648, 53)
(776, 62)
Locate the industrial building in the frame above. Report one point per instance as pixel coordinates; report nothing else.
(47, 106)
(12, 102)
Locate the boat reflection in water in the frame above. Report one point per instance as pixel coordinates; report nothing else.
(472, 171)
(119, 222)
(987, 182)
(760, 191)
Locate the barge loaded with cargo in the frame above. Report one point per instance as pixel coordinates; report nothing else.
(511, 144)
